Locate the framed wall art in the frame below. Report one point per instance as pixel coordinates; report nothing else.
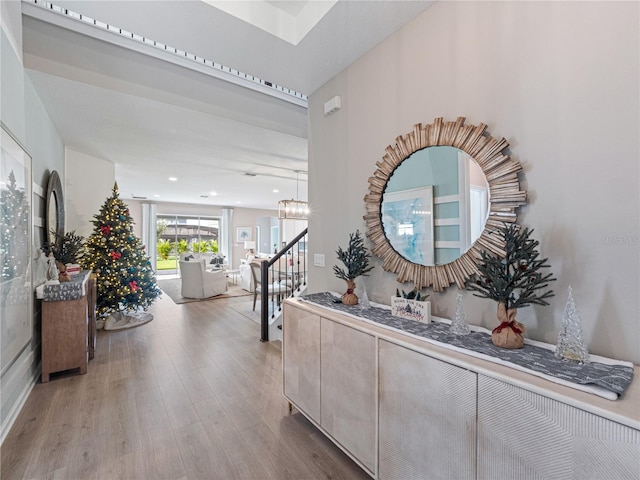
(243, 234)
(15, 249)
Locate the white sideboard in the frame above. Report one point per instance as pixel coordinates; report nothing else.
(406, 409)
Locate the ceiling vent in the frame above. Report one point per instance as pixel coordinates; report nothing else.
(248, 174)
(135, 197)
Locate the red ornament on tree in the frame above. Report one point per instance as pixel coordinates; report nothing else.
(115, 255)
(134, 286)
(105, 229)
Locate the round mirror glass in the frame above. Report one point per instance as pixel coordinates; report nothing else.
(52, 219)
(55, 211)
(435, 205)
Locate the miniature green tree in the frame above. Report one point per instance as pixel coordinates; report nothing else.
(515, 279)
(356, 260)
(414, 294)
(69, 250)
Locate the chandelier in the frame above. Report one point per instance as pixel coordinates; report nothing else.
(293, 209)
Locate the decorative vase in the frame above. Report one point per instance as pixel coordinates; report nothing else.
(509, 333)
(52, 269)
(350, 298)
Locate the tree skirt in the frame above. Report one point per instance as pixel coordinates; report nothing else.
(121, 320)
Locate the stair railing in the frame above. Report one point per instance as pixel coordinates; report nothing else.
(286, 273)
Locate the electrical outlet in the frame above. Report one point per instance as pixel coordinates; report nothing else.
(318, 259)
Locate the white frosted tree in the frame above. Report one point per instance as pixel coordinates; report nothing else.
(459, 325)
(571, 344)
(364, 301)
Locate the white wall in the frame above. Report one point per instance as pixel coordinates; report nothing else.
(88, 183)
(24, 116)
(558, 80)
(289, 229)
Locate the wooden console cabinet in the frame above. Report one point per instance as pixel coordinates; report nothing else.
(404, 409)
(67, 336)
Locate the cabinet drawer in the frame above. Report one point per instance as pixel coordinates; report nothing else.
(301, 360)
(348, 389)
(427, 417)
(525, 435)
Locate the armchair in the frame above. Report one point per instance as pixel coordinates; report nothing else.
(246, 277)
(197, 282)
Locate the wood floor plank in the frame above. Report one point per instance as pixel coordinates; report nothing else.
(275, 454)
(119, 426)
(54, 451)
(192, 394)
(221, 430)
(27, 433)
(202, 459)
(126, 467)
(196, 386)
(162, 459)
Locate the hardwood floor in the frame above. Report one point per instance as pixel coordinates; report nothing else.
(191, 395)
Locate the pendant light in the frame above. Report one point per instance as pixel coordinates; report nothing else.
(294, 209)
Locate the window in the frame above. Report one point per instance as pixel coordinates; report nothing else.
(179, 234)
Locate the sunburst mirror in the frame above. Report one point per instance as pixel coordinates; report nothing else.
(434, 199)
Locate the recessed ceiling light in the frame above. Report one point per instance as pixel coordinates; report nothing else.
(173, 179)
(238, 202)
(275, 190)
(213, 193)
(156, 195)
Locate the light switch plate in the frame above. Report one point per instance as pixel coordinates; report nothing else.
(318, 259)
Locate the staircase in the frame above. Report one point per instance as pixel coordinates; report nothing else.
(286, 274)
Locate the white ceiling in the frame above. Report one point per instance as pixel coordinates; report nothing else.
(154, 118)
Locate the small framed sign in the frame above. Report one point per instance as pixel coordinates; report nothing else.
(411, 309)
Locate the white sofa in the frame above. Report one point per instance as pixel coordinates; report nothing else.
(197, 282)
(207, 257)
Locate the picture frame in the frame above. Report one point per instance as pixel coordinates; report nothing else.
(411, 309)
(243, 234)
(408, 219)
(16, 291)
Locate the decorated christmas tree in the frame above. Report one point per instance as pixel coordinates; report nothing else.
(125, 279)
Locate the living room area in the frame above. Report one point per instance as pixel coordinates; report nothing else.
(207, 123)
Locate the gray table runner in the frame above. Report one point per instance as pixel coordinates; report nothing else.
(615, 378)
(71, 290)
